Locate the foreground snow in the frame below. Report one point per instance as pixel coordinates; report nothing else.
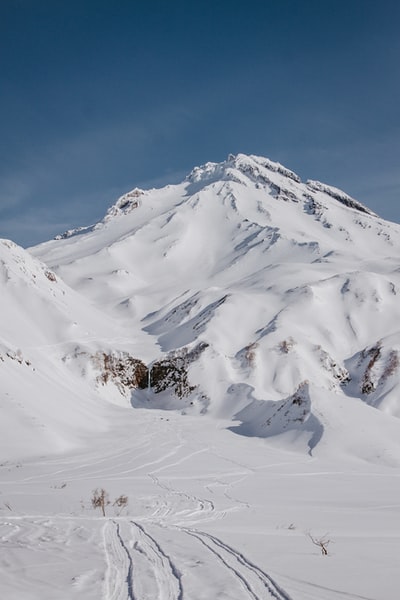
(210, 514)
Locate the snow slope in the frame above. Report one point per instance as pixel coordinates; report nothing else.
(256, 316)
(45, 325)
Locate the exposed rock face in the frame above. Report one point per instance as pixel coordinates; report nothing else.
(13, 355)
(374, 353)
(128, 372)
(339, 196)
(171, 372)
(378, 363)
(125, 204)
(125, 371)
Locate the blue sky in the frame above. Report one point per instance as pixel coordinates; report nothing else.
(98, 97)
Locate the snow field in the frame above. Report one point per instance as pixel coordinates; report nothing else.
(209, 514)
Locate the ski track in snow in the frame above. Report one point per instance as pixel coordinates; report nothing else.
(253, 580)
(186, 506)
(103, 470)
(137, 567)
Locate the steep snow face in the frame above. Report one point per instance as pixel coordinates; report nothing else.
(285, 284)
(50, 336)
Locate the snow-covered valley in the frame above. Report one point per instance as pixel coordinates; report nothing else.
(221, 358)
(209, 514)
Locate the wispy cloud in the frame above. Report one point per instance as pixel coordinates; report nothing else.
(73, 178)
(29, 227)
(13, 191)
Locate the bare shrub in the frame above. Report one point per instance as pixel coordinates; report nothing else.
(121, 502)
(321, 542)
(100, 500)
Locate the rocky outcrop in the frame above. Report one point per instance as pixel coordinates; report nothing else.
(368, 383)
(125, 371)
(128, 372)
(171, 372)
(340, 196)
(379, 363)
(125, 204)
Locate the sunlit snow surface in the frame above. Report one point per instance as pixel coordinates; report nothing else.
(291, 433)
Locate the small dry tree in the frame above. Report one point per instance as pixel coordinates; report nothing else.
(321, 542)
(100, 500)
(121, 502)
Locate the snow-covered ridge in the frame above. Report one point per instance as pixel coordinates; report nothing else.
(339, 195)
(125, 204)
(249, 171)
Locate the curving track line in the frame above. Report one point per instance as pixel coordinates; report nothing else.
(254, 581)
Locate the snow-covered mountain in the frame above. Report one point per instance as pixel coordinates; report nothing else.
(266, 300)
(257, 316)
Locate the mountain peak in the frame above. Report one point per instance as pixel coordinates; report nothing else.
(247, 164)
(242, 171)
(257, 164)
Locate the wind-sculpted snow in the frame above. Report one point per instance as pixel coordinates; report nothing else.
(266, 418)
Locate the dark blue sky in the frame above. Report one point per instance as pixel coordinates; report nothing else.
(98, 97)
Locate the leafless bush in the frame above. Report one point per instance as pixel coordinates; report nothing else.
(121, 502)
(100, 500)
(321, 542)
